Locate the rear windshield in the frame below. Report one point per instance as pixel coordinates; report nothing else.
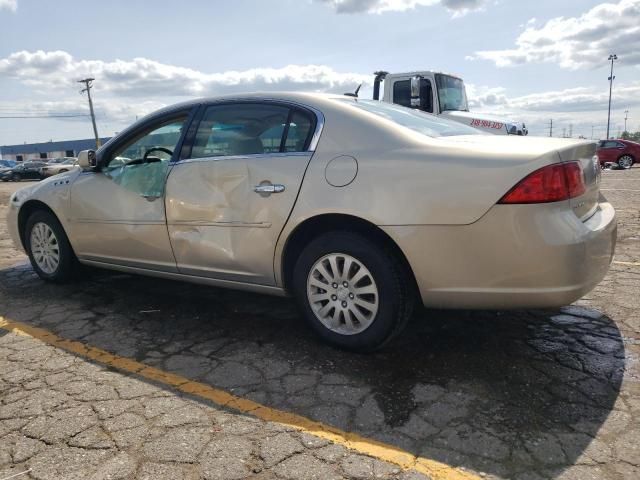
(416, 120)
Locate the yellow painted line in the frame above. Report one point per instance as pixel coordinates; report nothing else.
(373, 448)
(632, 264)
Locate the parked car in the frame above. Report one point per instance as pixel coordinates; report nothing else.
(7, 164)
(353, 206)
(23, 171)
(59, 159)
(624, 153)
(59, 167)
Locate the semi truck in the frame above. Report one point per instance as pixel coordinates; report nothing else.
(439, 94)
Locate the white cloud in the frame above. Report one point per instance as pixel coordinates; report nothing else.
(125, 89)
(580, 108)
(577, 42)
(11, 5)
(381, 6)
(143, 77)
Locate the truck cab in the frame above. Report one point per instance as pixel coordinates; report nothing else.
(439, 94)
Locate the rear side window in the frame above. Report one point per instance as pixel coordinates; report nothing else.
(251, 129)
(299, 132)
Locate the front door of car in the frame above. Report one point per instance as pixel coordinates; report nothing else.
(610, 150)
(229, 198)
(118, 213)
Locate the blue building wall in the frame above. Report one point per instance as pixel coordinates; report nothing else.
(52, 149)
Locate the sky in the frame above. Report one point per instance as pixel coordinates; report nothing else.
(531, 61)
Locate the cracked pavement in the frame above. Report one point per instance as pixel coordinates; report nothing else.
(522, 395)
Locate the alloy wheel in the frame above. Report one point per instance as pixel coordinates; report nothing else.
(625, 161)
(342, 294)
(45, 248)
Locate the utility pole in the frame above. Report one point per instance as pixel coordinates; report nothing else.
(551, 127)
(571, 130)
(591, 132)
(564, 132)
(613, 57)
(88, 85)
(626, 117)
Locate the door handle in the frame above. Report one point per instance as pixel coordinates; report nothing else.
(268, 188)
(150, 198)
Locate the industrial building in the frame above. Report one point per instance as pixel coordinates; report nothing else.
(37, 151)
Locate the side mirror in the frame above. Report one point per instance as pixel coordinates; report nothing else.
(87, 159)
(416, 101)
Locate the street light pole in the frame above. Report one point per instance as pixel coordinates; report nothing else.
(612, 58)
(88, 85)
(626, 117)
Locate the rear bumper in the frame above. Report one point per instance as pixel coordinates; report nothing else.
(515, 256)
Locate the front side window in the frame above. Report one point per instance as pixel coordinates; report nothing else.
(451, 93)
(250, 129)
(141, 164)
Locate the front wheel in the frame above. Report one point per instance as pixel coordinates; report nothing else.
(48, 248)
(625, 161)
(353, 292)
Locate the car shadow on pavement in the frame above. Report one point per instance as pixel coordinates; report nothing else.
(497, 392)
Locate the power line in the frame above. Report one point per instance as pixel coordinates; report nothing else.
(46, 116)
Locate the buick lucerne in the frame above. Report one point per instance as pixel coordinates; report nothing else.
(355, 207)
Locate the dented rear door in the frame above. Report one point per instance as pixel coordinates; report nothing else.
(225, 212)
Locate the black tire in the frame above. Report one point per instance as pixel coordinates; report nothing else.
(15, 177)
(395, 291)
(68, 263)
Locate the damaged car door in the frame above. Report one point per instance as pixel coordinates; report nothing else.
(118, 210)
(230, 196)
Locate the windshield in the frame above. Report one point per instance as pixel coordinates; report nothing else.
(416, 120)
(451, 93)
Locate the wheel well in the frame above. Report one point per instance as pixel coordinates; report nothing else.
(633, 157)
(311, 228)
(26, 211)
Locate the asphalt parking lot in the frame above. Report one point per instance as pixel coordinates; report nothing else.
(523, 395)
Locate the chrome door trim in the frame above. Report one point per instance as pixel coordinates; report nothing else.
(120, 222)
(218, 158)
(204, 223)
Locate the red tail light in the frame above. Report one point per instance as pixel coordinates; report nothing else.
(553, 183)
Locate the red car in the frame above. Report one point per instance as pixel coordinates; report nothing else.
(623, 152)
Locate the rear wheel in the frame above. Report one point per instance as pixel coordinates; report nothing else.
(15, 177)
(625, 161)
(48, 248)
(354, 293)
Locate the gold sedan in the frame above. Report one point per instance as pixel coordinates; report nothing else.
(355, 207)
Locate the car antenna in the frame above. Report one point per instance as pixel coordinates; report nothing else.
(354, 94)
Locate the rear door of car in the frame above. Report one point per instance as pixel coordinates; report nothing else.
(231, 193)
